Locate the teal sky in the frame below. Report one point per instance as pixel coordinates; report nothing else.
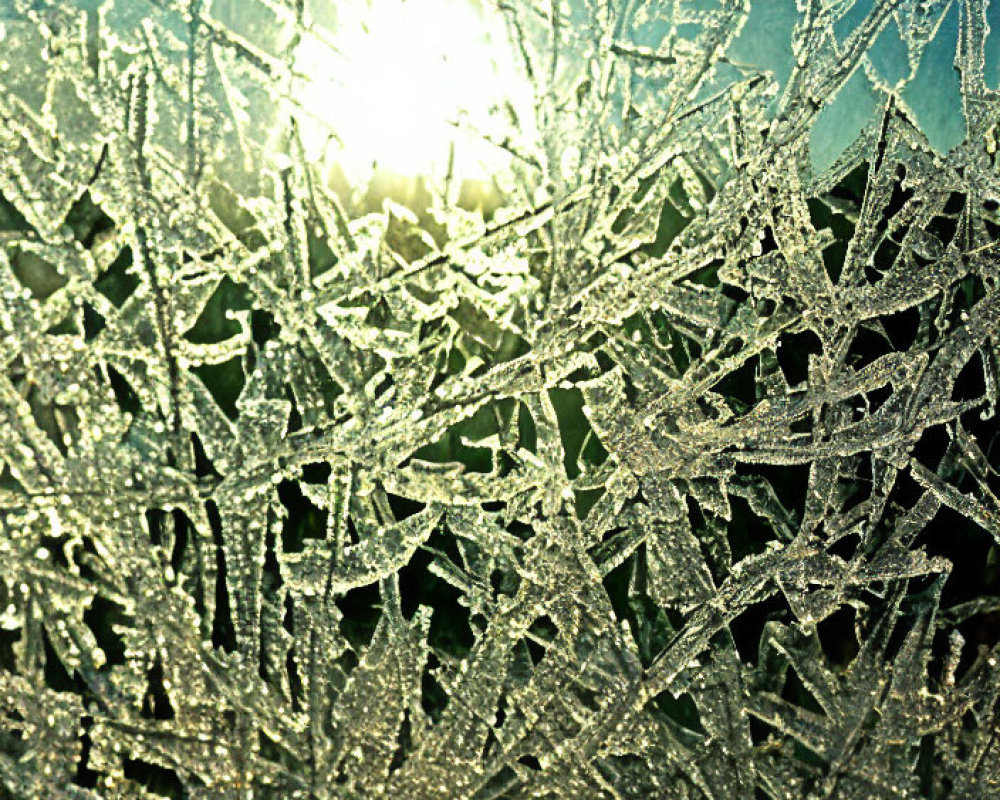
(932, 93)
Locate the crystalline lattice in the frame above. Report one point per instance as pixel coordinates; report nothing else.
(661, 467)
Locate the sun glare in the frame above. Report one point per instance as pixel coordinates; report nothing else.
(406, 85)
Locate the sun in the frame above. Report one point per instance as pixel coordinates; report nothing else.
(411, 86)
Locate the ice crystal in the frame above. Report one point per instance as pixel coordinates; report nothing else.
(658, 465)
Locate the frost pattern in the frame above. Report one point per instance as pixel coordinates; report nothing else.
(670, 475)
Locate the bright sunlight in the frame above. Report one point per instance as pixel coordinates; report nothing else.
(407, 85)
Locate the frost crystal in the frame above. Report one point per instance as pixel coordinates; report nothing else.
(656, 464)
